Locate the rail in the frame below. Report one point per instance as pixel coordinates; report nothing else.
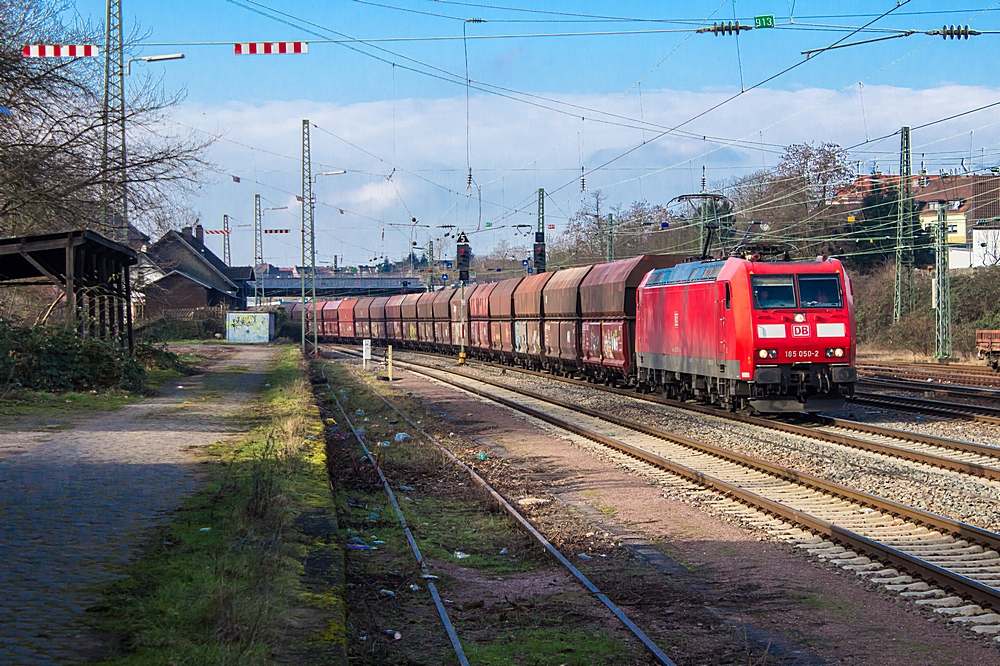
(660, 656)
(939, 575)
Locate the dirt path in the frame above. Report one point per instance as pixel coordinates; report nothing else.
(73, 501)
(811, 613)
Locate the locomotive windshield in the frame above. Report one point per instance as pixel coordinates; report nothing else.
(820, 291)
(773, 291)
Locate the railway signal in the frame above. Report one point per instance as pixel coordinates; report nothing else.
(464, 257)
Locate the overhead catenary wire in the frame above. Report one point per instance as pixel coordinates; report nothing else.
(642, 123)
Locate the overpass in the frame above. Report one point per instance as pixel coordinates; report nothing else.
(343, 286)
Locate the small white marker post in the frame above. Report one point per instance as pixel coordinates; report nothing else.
(389, 359)
(366, 353)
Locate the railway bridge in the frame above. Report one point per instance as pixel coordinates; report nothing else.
(344, 286)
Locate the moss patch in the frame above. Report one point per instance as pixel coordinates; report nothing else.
(225, 582)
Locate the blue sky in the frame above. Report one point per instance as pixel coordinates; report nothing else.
(416, 124)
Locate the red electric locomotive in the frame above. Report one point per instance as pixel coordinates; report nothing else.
(777, 336)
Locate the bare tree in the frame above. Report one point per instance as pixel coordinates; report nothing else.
(51, 138)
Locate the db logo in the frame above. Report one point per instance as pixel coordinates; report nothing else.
(800, 330)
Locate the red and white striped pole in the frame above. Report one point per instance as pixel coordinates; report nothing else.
(60, 51)
(270, 48)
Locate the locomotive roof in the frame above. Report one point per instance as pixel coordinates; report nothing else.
(697, 271)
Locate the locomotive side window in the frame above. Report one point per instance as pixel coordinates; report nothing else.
(729, 298)
(820, 291)
(773, 291)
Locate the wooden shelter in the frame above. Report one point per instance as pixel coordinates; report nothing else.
(92, 270)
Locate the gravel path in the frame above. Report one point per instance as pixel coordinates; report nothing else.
(948, 493)
(73, 502)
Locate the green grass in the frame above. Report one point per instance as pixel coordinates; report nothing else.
(554, 645)
(216, 585)
(54, 405)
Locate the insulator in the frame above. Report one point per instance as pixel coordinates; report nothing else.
(727, 28)
(957, 32)
(468, 181)
(583, 183)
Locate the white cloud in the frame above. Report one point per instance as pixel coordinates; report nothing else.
(517, 147)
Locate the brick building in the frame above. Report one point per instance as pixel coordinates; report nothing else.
(180, 273)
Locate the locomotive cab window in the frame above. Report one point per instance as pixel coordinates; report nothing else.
(820, 291)
(771, 292)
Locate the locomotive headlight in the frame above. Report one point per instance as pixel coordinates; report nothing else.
(799, 317)
(762, 353)
(768, 353)
(838, 352)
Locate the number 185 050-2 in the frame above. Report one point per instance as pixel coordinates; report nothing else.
(805, 353)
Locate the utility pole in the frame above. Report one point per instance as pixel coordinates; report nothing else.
(903, 302)
(539, 254)
(430, 251)
(258, 251)
(225, 240)
(942, 288)
(113, 155)
(308, 245)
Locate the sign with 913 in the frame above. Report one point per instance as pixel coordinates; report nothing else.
(766, 21)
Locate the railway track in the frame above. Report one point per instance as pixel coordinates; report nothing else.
(952, 410)
(932, 388)
(654, 649)
(961, 375)
(959, 456)
(886, 542)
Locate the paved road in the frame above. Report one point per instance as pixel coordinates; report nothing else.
(75, 500)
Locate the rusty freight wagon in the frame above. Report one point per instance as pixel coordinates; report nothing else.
(502, 320)
(607, 306)
(479, 310)
(362, 318)
(345, 316)
(561, 328)
(330, 327)
(988, 347)
(408, 308)
(425, 320)
(376, 313)
(528, 314)
(442, 317)
(394, 318)
(459, 312)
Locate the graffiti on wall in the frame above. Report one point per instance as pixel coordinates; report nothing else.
(253, 327)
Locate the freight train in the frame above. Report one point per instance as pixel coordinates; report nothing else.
(740, 333)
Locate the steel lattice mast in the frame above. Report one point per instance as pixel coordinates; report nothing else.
(942, 288)
(258, 252)
(113, 156)
(904, 301)
(225, 240)
(539, 248)
(308, 245)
